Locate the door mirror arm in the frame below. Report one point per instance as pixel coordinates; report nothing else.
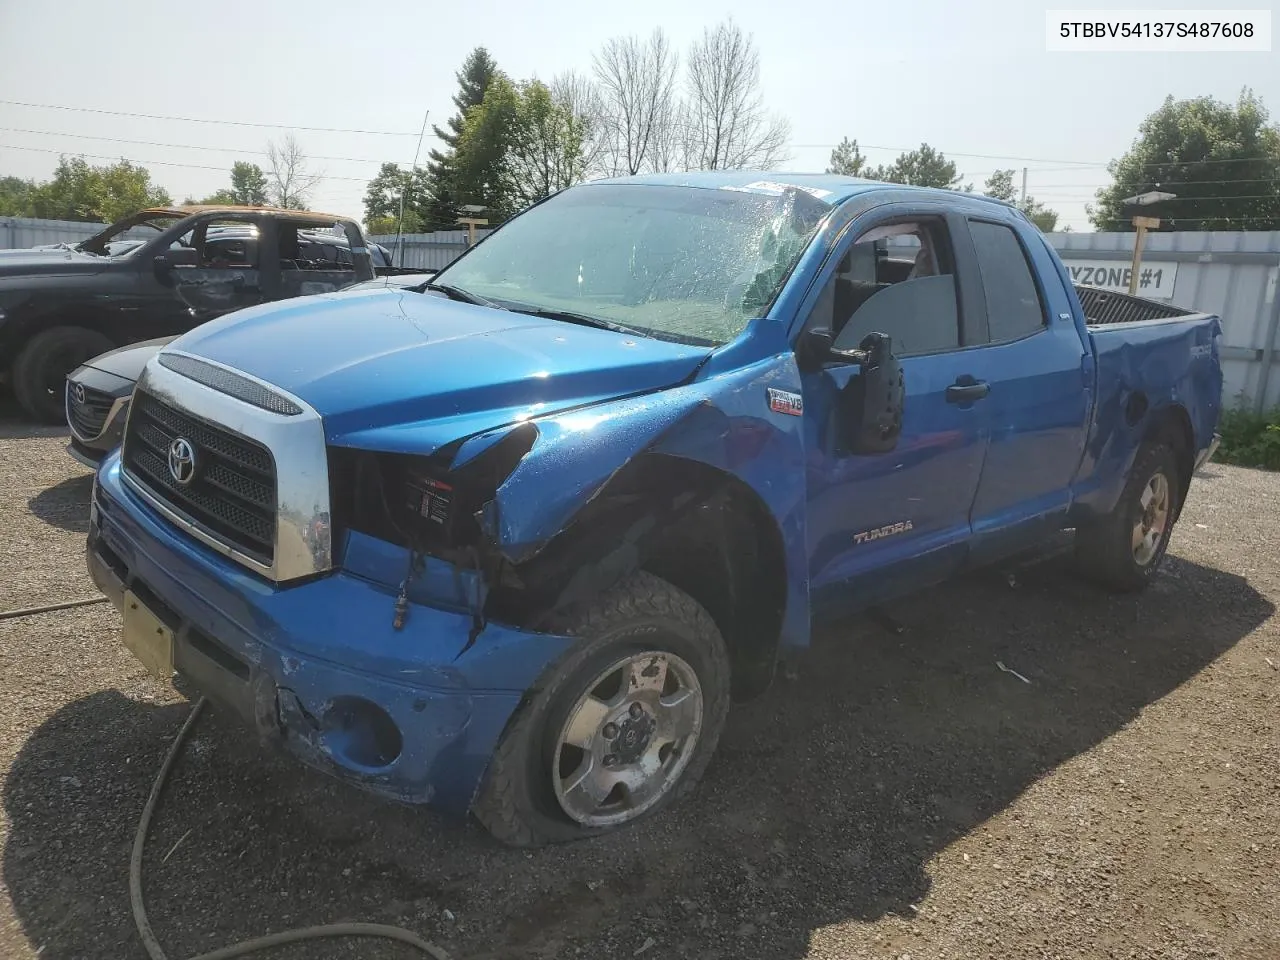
(817, 347)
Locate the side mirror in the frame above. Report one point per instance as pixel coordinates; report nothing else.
(873, 400)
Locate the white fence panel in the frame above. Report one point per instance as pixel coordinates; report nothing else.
(1232, 274)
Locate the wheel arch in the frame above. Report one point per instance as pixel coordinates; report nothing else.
(1171, 424)
(696, 526)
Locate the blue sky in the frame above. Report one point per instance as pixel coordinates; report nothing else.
(971, 79)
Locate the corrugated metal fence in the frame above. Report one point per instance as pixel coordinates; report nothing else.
(1231, 274)
(19, 233)
(427, 251)
(1234, 275)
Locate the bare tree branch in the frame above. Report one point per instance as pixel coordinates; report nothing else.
(289, 182)
(727, 125)
(637, 90)
(579, 96)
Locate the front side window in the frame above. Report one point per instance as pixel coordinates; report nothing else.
(897, 279)
(683, 263)
(1013, 302)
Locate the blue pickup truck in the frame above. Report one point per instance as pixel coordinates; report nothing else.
(511, 542)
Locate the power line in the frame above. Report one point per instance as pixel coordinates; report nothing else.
(949, 153)
(1075, 164)
(159, 163)
(180, 146)
(229, 123)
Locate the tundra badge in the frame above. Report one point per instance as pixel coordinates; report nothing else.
(886, 531)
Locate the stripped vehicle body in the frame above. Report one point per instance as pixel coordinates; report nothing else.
(448, 480)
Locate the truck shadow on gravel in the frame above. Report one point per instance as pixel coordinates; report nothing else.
(65, 505)
(14, 424)
(824, 804)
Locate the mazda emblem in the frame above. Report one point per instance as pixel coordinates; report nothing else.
(77, 393)
(182, 461)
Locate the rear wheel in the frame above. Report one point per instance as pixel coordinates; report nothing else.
(1123, 550)
(41, 368)
(624, 726)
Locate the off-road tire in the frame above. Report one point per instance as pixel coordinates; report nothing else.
(1104, 550)
(33, 371)
(516, 802)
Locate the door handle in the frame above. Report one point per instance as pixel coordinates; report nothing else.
(966, 390)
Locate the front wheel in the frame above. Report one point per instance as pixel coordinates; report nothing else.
(1124, 549)
(41, 368)
(624, 725)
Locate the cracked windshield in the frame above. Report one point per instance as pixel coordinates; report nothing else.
(675, 263)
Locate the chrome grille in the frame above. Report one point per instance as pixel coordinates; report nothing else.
(87, 416)
(232, 494)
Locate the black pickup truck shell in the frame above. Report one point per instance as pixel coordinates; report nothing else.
(59, 308)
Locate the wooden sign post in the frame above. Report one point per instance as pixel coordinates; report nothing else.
(1141, 225)
(471, 223)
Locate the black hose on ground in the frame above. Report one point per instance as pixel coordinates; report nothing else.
(327, 931)
(30, 611)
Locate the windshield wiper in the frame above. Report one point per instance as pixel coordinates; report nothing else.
(578, 318)
(457, 293)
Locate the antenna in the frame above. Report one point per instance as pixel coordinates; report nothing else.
(404, 187)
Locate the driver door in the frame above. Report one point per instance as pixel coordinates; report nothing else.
(226, 274)
(886, 523)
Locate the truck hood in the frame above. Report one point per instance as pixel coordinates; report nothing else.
(33, 263)
(368, 360)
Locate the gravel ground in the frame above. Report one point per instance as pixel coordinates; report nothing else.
(901, 796)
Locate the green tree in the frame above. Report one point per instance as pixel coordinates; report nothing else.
(16, 197)
(382, 199)
(226, 197)
(520, 145)
(248, 184)
(1222, 161)
(79, 191)
(477, 72)
(925, 167)
(545, 148)
(847, 159)
(480, 172)
(1000, 185)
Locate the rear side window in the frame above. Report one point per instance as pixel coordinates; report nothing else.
(1013, 302)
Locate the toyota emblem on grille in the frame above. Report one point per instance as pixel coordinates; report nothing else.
(77, 393)
(182, 460)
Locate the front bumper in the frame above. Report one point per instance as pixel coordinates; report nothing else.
(317, 667)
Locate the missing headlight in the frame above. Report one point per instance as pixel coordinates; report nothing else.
(422, 502)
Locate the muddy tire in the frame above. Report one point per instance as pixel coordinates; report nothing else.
(621, 727)
(41, 368)
(1124, 550)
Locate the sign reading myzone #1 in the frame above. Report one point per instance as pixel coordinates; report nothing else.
(1155, 277)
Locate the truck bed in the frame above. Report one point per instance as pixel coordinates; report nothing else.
(1102, 307)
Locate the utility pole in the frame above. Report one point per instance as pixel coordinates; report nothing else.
(1024, 187)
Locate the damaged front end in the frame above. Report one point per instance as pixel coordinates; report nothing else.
(522, 524)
